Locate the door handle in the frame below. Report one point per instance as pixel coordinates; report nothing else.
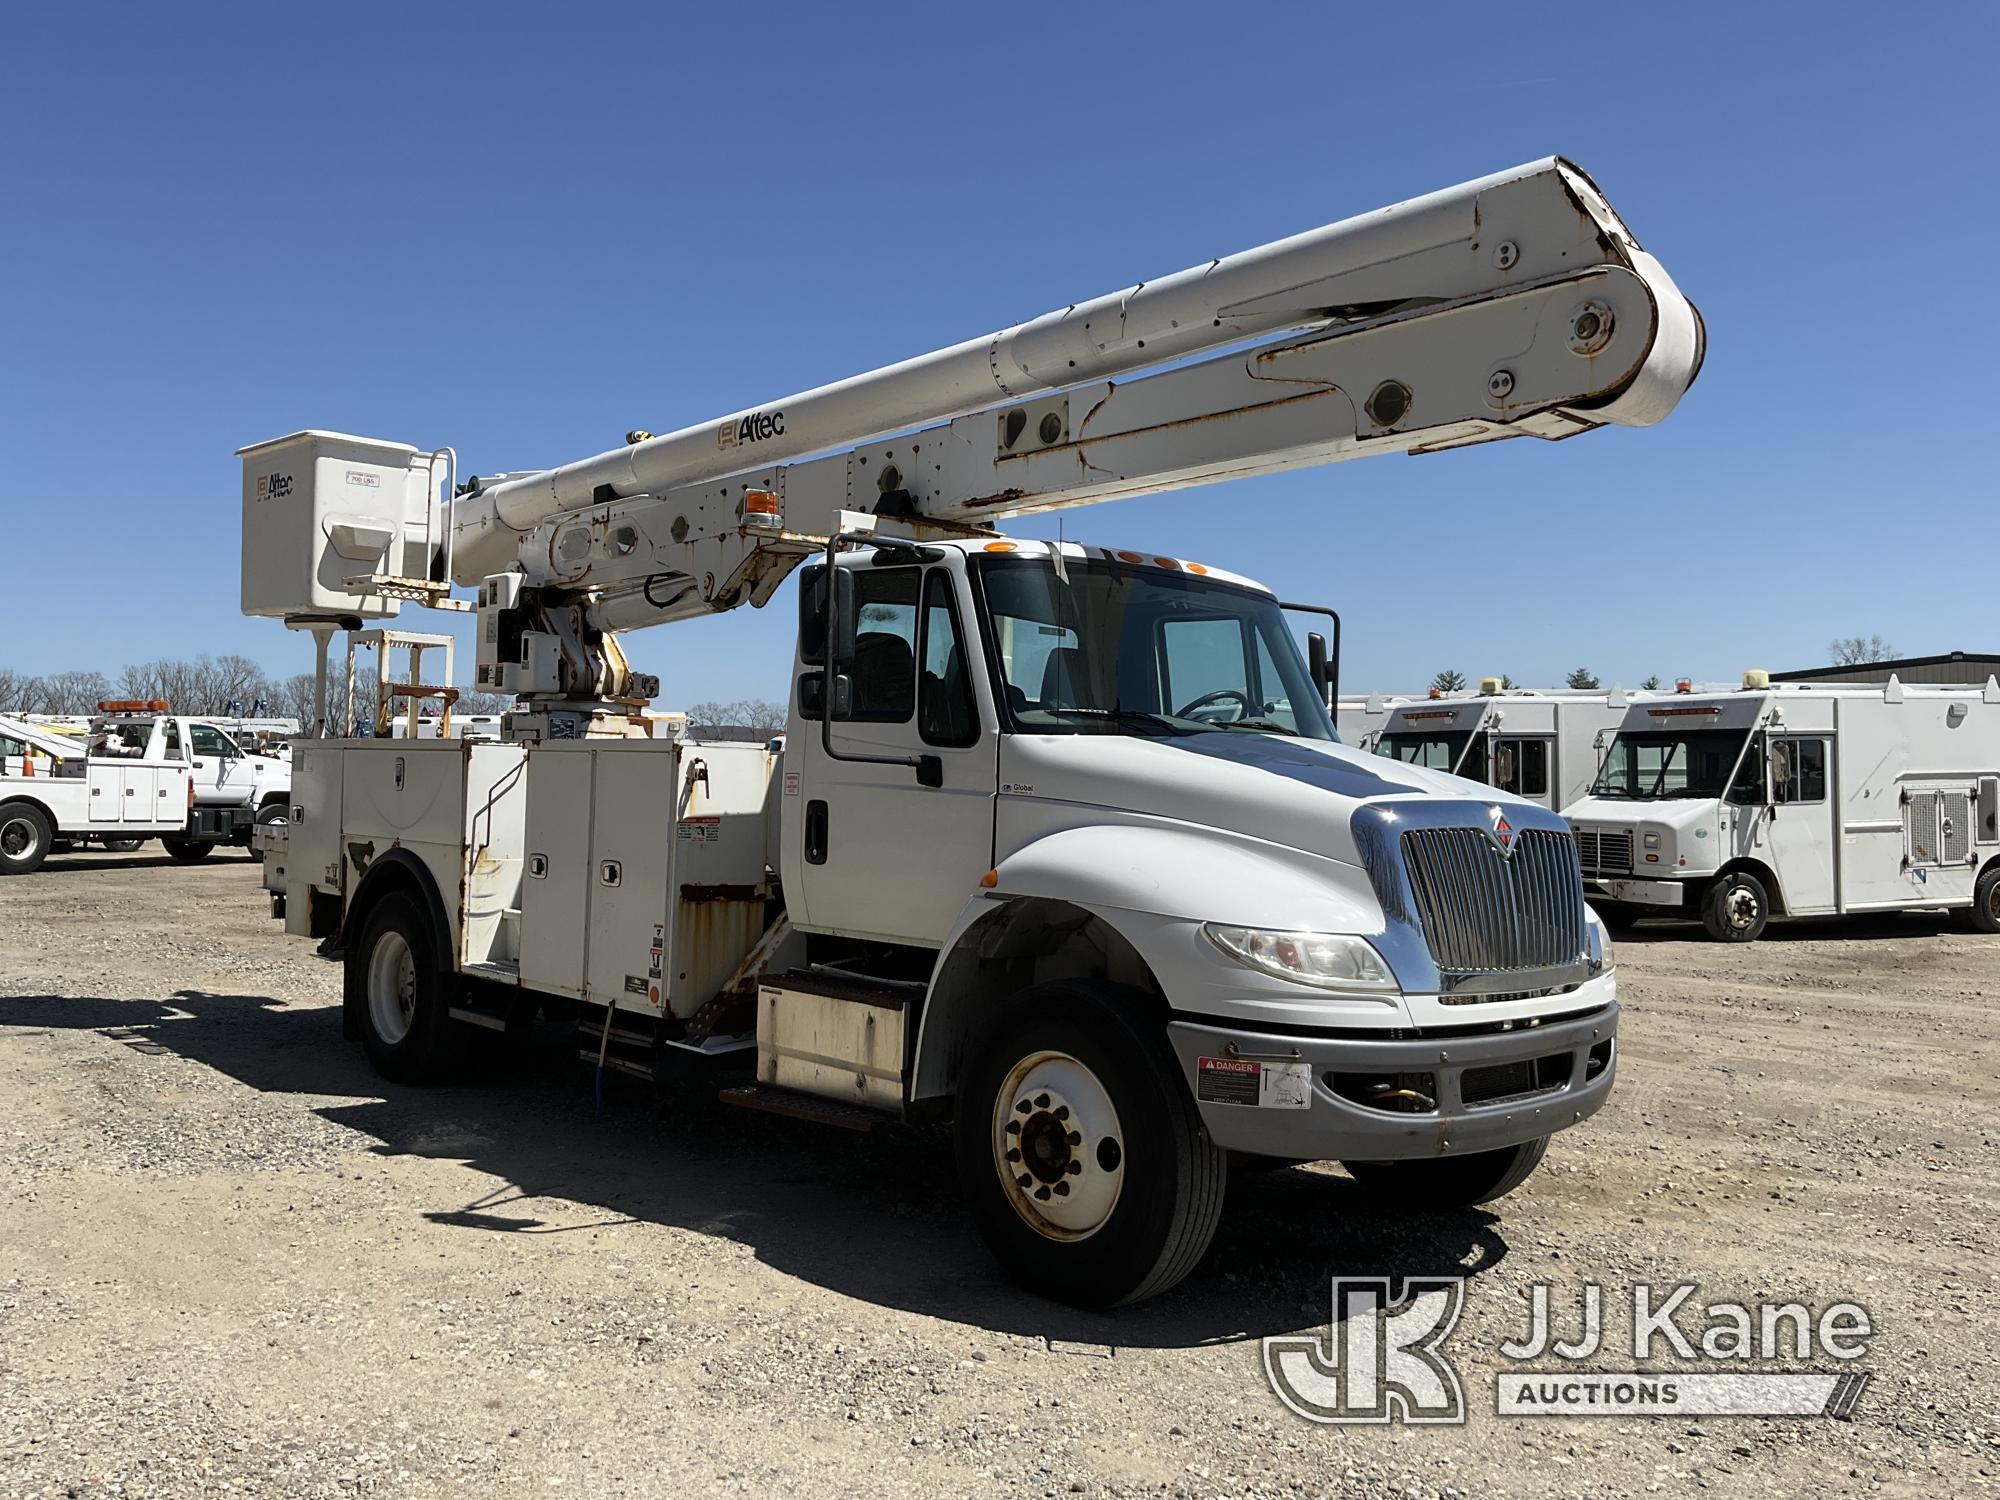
(816, 833)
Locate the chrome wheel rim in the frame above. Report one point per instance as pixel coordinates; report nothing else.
(1058, 1146)
(1741, 908)
(18, 838)
(392, 987)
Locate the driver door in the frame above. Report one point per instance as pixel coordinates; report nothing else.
(871, 851)
(218, 763)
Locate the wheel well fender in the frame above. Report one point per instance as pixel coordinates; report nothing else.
(999, 948)
(284, 796)
(1766, 877)
(396, 870)
(22, 799)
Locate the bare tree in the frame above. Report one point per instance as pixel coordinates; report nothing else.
(19, 694)
(293, 699)
(73, 692)
(1450, 680)
(1582, 678)
(746, 718)
(478, 701)
(1856, 651)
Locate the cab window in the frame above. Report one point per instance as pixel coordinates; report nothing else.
(1522, 767)
(208, 740)
(1798, 770)
(945, 712)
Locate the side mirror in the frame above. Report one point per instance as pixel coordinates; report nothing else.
(1316, 664)
(840, 625)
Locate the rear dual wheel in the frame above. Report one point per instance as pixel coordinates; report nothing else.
(393, 980)
(25, 838)
(1083, 1157)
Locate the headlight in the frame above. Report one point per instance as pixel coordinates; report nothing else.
(1327, 960)
(1600, 941)
(1652, 841)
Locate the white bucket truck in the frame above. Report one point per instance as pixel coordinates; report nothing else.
(1798, 800)
(1058, 843)
(1543, 746)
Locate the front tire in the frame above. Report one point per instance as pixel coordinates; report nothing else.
(25, 837)
(120, 846)
(1445, 1182)
(185, 851)
(1083, 1157)
(1736, 908)
(403, 999)
(1986, 901)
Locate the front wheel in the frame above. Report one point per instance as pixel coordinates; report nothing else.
(1736, 908)
(25, 837)
(1445, 1182)
(1985, 913)
(120, 846)
(185, 851)
(1083, 1157)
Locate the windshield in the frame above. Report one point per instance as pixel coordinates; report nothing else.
(1141, 650)
(1436, 750)
(1675, 763)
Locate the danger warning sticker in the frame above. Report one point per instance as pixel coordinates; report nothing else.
(1263, 1085)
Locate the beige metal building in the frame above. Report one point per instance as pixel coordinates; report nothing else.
(1954, 668)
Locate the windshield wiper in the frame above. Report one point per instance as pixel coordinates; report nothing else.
(1122, 716)
(1270, 726)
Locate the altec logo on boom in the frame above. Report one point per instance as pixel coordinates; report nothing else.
(273, 486)
(754, 428)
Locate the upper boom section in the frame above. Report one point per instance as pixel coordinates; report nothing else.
(1515, 232)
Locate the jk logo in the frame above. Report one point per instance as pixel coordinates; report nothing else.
(1380, 1360)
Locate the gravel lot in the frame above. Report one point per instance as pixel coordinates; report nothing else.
(234, 1261)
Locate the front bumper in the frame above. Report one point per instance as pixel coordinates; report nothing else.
(1638, 892)
(1360, 1099)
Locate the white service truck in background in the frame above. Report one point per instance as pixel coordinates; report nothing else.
(227, 789)
(1797, 800)
(1059, 843)
(1541, 745)
(55, 793)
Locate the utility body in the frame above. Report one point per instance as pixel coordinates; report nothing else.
(1059, 842)
(1544, 746)
(1798, 800)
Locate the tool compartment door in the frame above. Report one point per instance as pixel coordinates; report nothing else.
(632, 807)
(555, 885)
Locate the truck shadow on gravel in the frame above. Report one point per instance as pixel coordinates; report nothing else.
(876, 1217)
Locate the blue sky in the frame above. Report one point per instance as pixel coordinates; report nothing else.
(523, 230)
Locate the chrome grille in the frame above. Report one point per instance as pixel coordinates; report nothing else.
(1485, 913)
(1605, 848)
